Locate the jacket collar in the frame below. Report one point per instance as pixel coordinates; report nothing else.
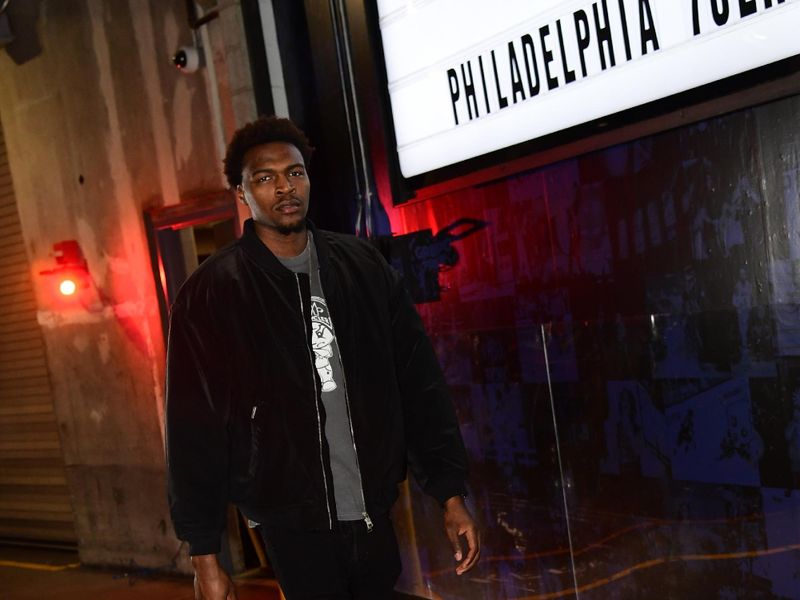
(264, 257)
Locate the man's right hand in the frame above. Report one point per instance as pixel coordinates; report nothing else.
(211, 582)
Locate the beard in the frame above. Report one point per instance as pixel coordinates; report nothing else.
(298, 227)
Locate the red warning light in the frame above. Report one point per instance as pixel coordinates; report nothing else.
(67, 287)
(72, 282)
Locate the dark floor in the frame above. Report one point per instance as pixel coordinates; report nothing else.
(34, 574)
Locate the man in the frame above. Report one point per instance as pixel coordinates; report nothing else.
(300, 382)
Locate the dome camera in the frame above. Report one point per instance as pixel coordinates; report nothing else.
(186, 59)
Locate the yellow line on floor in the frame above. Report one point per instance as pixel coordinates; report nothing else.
(660, 561)
(37, 566)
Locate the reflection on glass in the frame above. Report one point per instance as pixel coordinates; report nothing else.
(654, 289)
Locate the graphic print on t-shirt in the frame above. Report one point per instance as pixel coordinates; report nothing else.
(322, 340)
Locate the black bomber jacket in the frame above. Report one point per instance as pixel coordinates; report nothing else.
(245, 419)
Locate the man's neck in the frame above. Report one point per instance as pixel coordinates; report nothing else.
(283, 244)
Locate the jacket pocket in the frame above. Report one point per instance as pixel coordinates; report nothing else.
(258, 437)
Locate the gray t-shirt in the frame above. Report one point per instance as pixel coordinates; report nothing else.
(344, 465)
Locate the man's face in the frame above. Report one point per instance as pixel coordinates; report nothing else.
(275, 187)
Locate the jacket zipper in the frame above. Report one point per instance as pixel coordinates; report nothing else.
(364, 514)
(316, 404)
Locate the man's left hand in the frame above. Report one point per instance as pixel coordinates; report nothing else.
(458, 522)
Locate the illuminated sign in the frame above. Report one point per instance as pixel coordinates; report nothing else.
(467, 77)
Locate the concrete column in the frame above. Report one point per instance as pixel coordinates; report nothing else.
(100, 127)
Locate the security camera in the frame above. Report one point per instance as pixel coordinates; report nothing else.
(187, 59)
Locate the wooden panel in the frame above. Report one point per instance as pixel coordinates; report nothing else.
(27, 368)
(36, 372)
(29, 441)
(18, 280)
(23, 299)
(21, 359)
(13, 240)
(27, 363)
(25, 307)
(9, 229)
(29, 348)
(34, 497)
(28, 422)
(32, 451)
(10, 304)
(33, 389)
(51, 477)
(48, 497)
(38, 530)
(9, 220)
(13, 269)
(16, 292)
(15, 255)
(8, 211)
(36, 462)
(30, 408)
(14, 328)
(19, 320)
(10, 267)
(26, 334)
(29, 427)
(23, 403)
(14, 250)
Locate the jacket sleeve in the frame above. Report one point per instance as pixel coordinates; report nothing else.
(436, 454)
(196, 432)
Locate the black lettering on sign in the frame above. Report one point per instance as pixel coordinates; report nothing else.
(647, 26)
(582, 33)
(696, 17)
(747, 7)
(501, 100)
(721, 11)
(483, 81)
(452, 80)
(569, 75)
(516, 76)
(529, 54)
(547, 56)
(469, 90)
(603, 35)
(625, 34)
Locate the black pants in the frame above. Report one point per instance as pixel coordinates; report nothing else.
(347, 564)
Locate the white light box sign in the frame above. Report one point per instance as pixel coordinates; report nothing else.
(467, 77)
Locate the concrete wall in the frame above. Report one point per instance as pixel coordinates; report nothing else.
(229, 70)
(100, 127)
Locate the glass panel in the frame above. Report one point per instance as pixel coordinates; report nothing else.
(487, 333)
(498, 379)
(678, 436)
(666, 273)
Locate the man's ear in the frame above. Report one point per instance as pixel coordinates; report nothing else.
(240, 194)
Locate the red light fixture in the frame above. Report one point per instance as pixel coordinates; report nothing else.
(67, 287)
(71, 278)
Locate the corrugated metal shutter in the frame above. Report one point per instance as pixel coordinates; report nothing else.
(34, 499)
